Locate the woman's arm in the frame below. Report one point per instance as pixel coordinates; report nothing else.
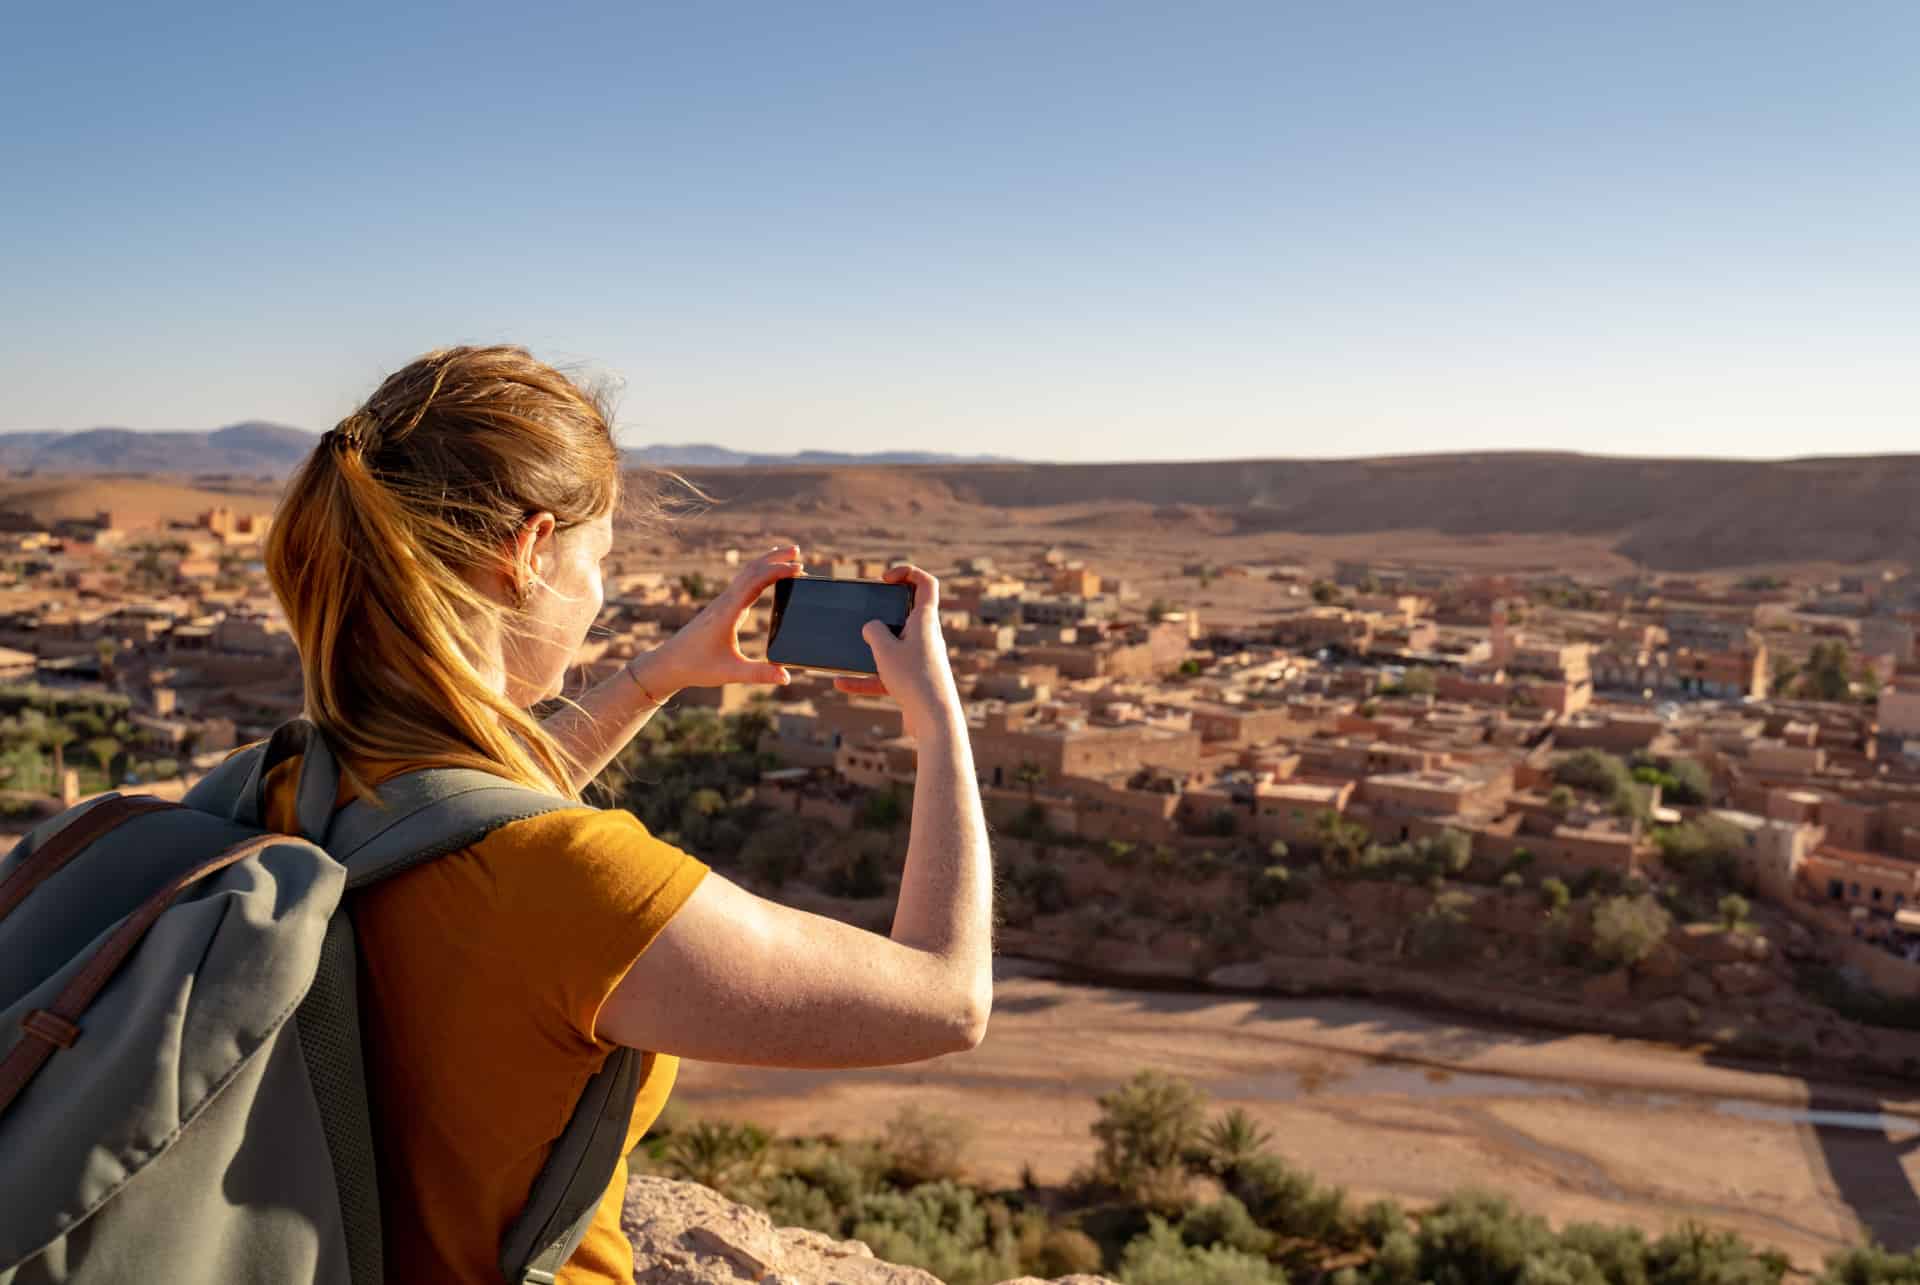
(737, 978)
(598, 726)
(705, 653)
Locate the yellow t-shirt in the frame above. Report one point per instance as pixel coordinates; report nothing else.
(482, 975)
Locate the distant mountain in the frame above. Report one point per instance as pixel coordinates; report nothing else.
(1668, 514)
(706, 455)
(249, 449)
(259, 449)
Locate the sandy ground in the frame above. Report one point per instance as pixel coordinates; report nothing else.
(1387, 1102)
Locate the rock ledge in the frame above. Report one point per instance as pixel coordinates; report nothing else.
(685, 1233)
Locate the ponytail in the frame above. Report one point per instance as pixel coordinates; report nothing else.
(388, 528)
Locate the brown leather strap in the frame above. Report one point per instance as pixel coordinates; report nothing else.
(58, 1026)
(53, 855)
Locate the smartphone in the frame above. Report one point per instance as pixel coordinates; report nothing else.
(816, 622)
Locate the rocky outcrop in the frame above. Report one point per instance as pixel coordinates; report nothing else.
(686, 1234)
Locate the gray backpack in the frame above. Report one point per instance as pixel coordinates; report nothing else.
(182, 1096)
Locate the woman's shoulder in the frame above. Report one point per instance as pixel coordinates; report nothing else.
(570, 859)
(573, 896)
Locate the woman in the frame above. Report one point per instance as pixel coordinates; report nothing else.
(438, 558)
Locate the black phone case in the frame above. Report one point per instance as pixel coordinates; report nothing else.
(783, 591)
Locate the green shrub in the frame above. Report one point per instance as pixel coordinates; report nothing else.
(1555, 895)
(1048, 1251)
(1560, 1266)
(1146, 1128)
(1733, 911)
(925, 1146)
(1270, 887)
(1451, 849)
(1475, 1238)
(1595, 770)
(1441, 933)
(1161, 1257)
(1287, 1200)
(1438, 857)
(791, 1202)
(1704, 854)
(1871, 1265)
(841, 1172)
(1113, 1225)
(729, 1158)
(940, 1226)
(1626, 929)
(1397, 1262)
(1043, 884)
(882, 810)
(1620, 1253)
(1381, 1219)
(1225, 1222)
(1691, 785)
(1696, 1255)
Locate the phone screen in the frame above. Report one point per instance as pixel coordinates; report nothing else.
(816, 622)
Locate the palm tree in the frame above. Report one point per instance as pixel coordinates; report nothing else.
(1231, 1141)
(57, 737)
(1029, 774)
(1341, 837)
(104, 749)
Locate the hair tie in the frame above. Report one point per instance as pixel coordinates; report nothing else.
(345, 436)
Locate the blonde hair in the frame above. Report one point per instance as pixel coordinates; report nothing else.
(378, 534)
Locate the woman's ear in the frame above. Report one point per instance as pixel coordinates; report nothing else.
(532, 550)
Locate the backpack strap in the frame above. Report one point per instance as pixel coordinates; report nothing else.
(427, 814)
(419, 816)
(328, 1025)
(572, 1183)
(237, 789)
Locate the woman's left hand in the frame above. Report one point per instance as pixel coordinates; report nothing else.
(706, 651)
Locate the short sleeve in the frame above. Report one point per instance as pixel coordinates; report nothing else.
(586, 892)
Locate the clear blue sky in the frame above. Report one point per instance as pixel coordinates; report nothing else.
(1056, 230)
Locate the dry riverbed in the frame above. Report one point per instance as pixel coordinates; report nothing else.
(1390, 1103)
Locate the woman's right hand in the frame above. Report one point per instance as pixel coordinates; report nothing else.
(913, 667)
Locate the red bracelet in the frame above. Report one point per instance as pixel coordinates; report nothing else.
(645, 695)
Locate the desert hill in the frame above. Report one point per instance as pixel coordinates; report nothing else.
(251, 449)
(1671, 515)
(1666, 514)
(136, 501)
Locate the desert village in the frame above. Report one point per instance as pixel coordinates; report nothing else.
(1552, 726)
